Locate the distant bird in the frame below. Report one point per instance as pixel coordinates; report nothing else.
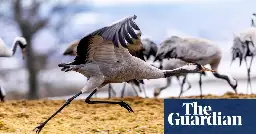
(2, 94)
(253, 20)
(71, 51)
(103, 56)
(150, 48)
(169, 65)
(6, 52)
(243, 47)
(195, 50)
(18, 41)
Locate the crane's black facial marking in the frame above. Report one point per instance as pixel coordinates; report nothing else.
(22, 46)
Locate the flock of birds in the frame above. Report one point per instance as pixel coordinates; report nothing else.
(116, 54)
(177, 51)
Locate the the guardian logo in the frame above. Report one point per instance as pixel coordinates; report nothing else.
(202, 115)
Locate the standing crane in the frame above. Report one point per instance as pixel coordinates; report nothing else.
(150, 48)
(103, 56)
(6, 52)
(243, 48)
(18, 41)
(195, 50)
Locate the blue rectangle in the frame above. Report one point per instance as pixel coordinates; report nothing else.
(240, 116)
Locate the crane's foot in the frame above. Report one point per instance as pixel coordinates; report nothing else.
(121, 103)
(126, 106)
(39, 128)
(68, 67)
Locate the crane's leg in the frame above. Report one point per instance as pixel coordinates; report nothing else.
(182, 86)
(41, 126)
(121, 103)
(249, 74)
(189, 86)
(144, 90)
(134, 89)
(200, 86)
(110, 90)
(92, 83)
(113, 91)
(122, 93)
(247, 90)
(168, 83)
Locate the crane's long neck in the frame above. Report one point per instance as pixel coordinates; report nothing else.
(146, 71)
(14, 47)
(180, 70)
(231, 81)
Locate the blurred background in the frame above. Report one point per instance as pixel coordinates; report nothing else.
(50, 25)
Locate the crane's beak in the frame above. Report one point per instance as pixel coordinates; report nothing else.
(23, 53)
(204, 69)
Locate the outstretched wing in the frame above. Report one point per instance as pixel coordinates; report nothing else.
(101, 43)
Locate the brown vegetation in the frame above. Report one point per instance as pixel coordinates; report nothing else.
(22, 116)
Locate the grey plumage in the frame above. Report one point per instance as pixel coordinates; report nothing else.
(243, 48)
(103, 57)
(72, 51)
(195, 50)
(150, 48)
